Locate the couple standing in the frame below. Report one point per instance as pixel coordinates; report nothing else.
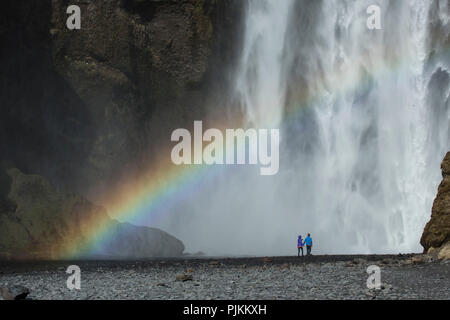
(301, 243)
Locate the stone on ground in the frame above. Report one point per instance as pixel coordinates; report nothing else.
(14, 292)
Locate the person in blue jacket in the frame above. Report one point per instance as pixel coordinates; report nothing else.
(308, 243)
(300, 244)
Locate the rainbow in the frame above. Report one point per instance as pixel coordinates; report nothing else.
(136, 202)
(164, 184)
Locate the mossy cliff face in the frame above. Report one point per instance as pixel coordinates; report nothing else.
(80, 106)
(437, 231)
(42, 223)
(42, 220)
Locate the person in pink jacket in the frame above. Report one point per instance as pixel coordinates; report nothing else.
(300, 245)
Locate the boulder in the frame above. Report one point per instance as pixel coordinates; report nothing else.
(284, 266)
(418, 259)
(433, 251)
(437, 230)
(43, 223)
(184, 277)
(133, 242)
(444, 252)
(14, 292)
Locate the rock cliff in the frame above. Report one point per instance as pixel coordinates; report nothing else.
(437, 231)
(80, 108)
(43, 223)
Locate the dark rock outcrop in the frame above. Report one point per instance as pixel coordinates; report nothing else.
(437, 230)
(133, 242)
(14, 292)
(83, 108)
(45, 224)
(80, 107)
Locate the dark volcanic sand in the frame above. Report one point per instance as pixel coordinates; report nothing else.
(315, 277)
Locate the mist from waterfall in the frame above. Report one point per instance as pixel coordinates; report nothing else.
(364, 116)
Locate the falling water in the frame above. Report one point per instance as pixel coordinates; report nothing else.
(259, 81)
(364, 116)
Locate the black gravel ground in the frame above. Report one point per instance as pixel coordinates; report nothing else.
(8, 267)
(314, 277)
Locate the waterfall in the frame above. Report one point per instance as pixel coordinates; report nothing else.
(364, 117)
(260, 80)
(363, 134)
